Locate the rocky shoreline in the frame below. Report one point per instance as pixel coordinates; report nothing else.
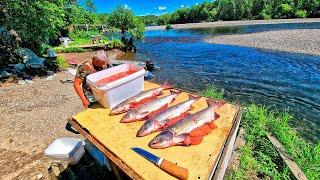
(306, 41)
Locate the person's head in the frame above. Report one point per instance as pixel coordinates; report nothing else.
(99, 59)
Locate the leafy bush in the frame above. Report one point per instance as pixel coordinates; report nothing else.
(62, 62)
(9, 42)
(285, 11)
(35, 22)
(264, 16)
(301, 14)
(168, 26)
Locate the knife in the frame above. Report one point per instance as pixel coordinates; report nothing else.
(165, 165)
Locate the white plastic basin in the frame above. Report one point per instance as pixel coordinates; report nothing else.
(112, 93)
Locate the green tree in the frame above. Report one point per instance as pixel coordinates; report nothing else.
(90, 6)
(227, 9)
(123, 18)
(35, 21)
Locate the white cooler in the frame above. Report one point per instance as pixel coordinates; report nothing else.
(111, 94)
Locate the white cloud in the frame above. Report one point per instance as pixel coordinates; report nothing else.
(126, 6)
(182, 6)
(197, 4)
(160, 8)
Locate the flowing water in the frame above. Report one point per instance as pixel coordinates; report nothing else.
(277, 79)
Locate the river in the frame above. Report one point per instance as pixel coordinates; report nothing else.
(285, 81)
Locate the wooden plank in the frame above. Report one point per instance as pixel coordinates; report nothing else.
(218, 173)
(105, 151)
(297, 172)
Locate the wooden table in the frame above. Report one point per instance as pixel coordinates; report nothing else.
(204, 161)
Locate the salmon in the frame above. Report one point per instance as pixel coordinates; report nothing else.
(149, 109)
(190, 130)
(167, 117)
(139, 99)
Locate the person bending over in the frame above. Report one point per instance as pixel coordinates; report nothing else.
(98, 62)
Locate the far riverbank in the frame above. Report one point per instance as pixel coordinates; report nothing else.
(234, 23)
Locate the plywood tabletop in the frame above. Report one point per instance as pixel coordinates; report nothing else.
(119, 138)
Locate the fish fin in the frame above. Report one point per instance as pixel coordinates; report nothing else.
(175, 92)
(215, 104)
(166, 85)
(144, 115)
(192, 108)
(193, 97)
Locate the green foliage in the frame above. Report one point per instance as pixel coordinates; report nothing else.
(285, 11)
(301, 14)
(239, 9)
(62, 62)
(9, 42)
(212, 92)
(258, 157)
(123, 18)
(69, 50)
(169, 26)
(115, 44)
(35, 22)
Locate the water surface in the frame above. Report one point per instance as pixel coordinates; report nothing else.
(278, 79)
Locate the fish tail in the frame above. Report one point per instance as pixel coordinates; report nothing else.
(193, 97)
(215, 104)
(175, 92)
(166, 85)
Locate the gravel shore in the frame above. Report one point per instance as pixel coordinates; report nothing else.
(234, 23)
(305, 41)
(32, 116)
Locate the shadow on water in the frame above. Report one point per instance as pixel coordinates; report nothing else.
(277, 79)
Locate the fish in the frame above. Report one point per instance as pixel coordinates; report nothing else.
(167, 117)
(139, 99)
(190, 130)
(150, 109)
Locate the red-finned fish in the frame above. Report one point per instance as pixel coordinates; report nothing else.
(167, 117)
(149, 109)
(190, 130)
(139, 99)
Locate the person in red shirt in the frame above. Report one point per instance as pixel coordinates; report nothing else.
(97, 63)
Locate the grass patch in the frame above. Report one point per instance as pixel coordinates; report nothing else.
(259, 159)
(62, 62)
(212, 92)
(68, 49)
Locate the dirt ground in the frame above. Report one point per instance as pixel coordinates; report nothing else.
(32, 116)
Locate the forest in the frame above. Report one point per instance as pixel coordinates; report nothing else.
(227, 10)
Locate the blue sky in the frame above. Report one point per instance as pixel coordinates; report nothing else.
(144, 7)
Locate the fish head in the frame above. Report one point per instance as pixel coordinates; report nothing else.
(130, 116)
(133, 115)
(148, 127)
(121, 108)
(163, 140)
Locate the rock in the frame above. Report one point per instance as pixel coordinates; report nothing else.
(39, 176)
(29, 81)
(49, 78)
(22, 82)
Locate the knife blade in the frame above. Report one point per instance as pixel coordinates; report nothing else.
(167, 166)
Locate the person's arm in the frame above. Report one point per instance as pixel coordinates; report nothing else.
(77, 86)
